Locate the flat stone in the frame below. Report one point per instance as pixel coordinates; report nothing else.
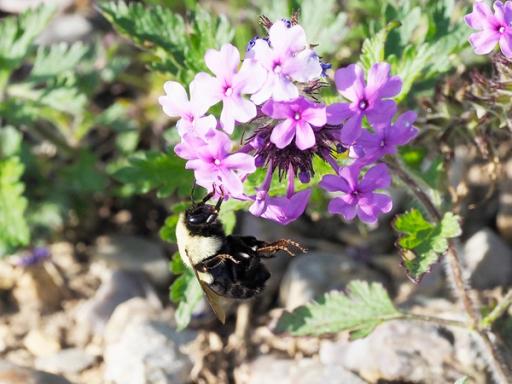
(72, 360)
(14, 374)
(134, 254)
(488, 259)
(40, 343)
(315, 273)
(148, 352)
(271, 369)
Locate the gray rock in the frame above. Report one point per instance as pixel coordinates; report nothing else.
(15, 374)
(271, 369)
(134, 254)
(118, 287)
(488, 260)
(312, 274)
(17, 6)
(504, 217)
(148, 353)
(65, 28)
(72, 360)
(396, 351)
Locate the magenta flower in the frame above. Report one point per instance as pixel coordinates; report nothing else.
(299, 116)
(365, 99)
(359, 197)
(175, 103)
(282, 209)
(286, 57)
(229, 84)
(370, 147)
(493, 28)
(213, 165)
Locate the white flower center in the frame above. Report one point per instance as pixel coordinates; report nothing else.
(216, 162)
(277, 69)
(502, 29)
(296, 116)
(363, 104)
(228, 92)
(382, 143)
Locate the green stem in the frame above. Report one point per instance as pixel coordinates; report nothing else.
(435, 320)
(497, 312)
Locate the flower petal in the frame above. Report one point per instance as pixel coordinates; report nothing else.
(506, 44)
(315, 114)
(287, 40)
(479, 18)
(338, 113)
(231, 182)
(484, 42)
(334, 183)
(223, 63)
(206, 88)
(284, 89)
(377, 177)
(303, 67)
(350, 82)
(304, 135)
(348, 211)
(283, 133)
(381, 112)
(277, 110)
(251, 77)
(241, 162)
(351, 130)
(380, 84)
(175, 102)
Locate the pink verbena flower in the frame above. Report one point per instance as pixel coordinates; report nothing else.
(358, 196)
(493, 28)
(287, 58)
(214, 165)
(175, 103)
(366, 99)
(281, 209)
(299, 116)
(387, 137)
(229, 84)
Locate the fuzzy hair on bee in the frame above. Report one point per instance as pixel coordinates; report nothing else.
(226, 266)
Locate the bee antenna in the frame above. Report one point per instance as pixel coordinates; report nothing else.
(192, 194)
(219, 203)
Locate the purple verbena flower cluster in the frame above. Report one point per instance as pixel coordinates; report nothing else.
(275, 88)
(493, 28)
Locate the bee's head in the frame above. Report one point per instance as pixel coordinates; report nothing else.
(201, 214)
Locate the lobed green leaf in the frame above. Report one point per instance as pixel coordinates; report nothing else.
(358, 311)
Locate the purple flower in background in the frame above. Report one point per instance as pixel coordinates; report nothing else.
(213, 165)
(492, 28)
(365, 99)
(229, 84)
(175, 103)
(299, 116)
(35, 256)
(286, 57)
(359, 197)
(370, 147)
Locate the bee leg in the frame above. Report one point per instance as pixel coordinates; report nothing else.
(284, 245)
(216, 260)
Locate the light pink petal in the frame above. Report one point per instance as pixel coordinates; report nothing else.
(262, 54)
(277, 110)
(315, 115)
(232, 183)
(384, 202)
(508, 12)
(484, 42)
(337, 113)
(283, 133)
(403, 130)
(479, 18)
(258, 207)
(350, 82)
(240, 162)
(284, 89)
(206, 88)
(303, 67)
(351, 176)
(227, 118)
(499, 12)
(175, 102)
(334, 183)
(377, 177)
(251, 78)
(304, 136)
(224, 63)
(287, 40)
(265, 93)
(338, 206)
(506, 44)
(204, 124)
(243, 109)
(351, 130)
(284, 210)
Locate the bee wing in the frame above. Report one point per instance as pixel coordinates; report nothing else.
(214, 301)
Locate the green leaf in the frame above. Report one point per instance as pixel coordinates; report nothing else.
(358, 311)
(191, 296)
(18, 34)
(422, 242)
(168, 231)
(462, 380)
(14, 230)
(83, 176)
(373, 48)
(56, 60)
(323, 25)
(163, 172)
(176, 266)
(10, 141)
